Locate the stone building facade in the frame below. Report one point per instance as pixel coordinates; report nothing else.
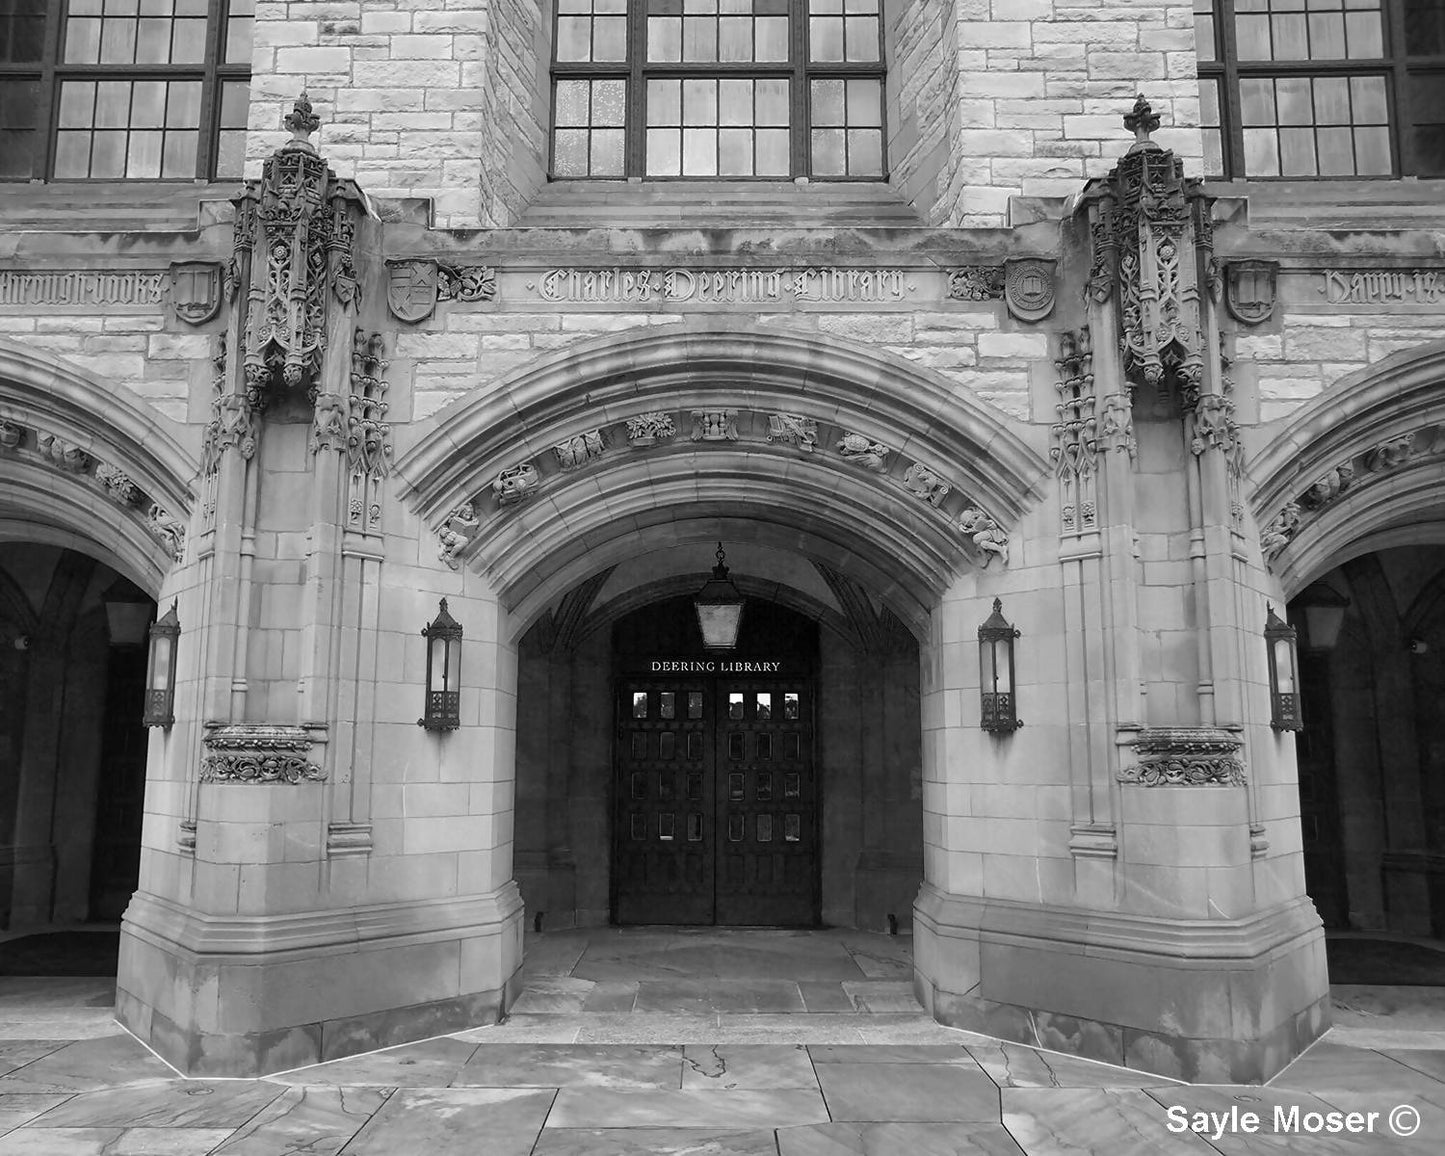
(1034, 365)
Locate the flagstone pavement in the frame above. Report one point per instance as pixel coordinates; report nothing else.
(649, 1041)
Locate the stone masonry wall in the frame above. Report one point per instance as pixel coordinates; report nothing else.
(1041, 88)
(415, 99)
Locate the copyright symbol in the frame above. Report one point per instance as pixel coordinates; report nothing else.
(1404, 1120)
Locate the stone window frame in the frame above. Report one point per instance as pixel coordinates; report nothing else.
(636, 70)
(51, 71)
(1405, 118)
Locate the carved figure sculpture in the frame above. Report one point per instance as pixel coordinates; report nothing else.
(579, 450)
(791, 427)
(455, 533)
(66, 455)
(925, 484)
(860, 451)
(1275, 537)
(515, 483)
(1331, 484)
(987, 535)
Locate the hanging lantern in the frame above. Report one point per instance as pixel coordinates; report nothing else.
(1279, 640)
(719, 608)
(996, 673)
(161, 671)
(127, 614)
(1324, 611)
(443, 672)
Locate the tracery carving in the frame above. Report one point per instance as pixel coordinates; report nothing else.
(1186, 756)
(793, 428)
(1074, 442)
(988, 536)
(515, 483)
(976, 283)
(454, 534)
(1116, 424)
(926, 485)
(1149, 222)
(302, 236)
(368, 435)
(862, 451)
(647, 429)
(328, 428)
(714, 425)
(580, 449)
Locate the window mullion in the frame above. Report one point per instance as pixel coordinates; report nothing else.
(635, 161)
(1230, 110)
(207, 131)
(47, 107)
(798, 94)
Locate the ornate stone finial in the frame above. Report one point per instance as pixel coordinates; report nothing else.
(1141, 122)
(302, 122)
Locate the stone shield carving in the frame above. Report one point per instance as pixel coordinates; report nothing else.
(1250, 289)
(195, 290)
(1028, 288)
(411, 289)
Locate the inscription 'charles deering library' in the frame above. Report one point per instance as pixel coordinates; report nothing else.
(723, 286)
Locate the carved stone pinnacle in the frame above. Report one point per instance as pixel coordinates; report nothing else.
(1141, 122)
(302, 121)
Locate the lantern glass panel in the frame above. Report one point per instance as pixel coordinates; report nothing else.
(1003, 683)
(161, 645)
(986, 667)
(454, 663)
(438, 656)
(1284, 665)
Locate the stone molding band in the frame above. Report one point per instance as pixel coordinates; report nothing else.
(245, 936)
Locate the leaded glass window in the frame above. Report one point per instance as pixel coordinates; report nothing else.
(704, 89)
(1322, 88)
(124, 89)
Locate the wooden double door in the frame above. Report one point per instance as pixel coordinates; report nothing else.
(716, 818)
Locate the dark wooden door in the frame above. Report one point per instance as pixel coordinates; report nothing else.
(716, 818)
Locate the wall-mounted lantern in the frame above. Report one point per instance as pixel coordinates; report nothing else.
(443, 673)
(1324, 612)
(999, 712)
(160, 708)
(719, 608)
(1279, 640)
(127, 613)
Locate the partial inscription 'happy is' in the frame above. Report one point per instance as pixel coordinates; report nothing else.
(1384, 287)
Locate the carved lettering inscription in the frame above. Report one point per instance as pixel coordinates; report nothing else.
(57, 287)
(1384, 287)
(722, 286)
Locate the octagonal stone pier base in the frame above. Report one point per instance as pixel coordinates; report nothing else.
(1208, 1001)
(248, 996)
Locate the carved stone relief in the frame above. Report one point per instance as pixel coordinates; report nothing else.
(169, 530)
(923, 483)
(466, 283)
(454, 534)
(577, 451)
(647, 429)
(257, 753)
(976, 283)
(1074, 443)
(1275, 537)
(119, 487)
(862, 451)
(1029, 287)
(987, 535)
(515, 483)
(368, 435)
(1186, 756)
(794, 429)
(10, 435)
(714, 425)
(1250, 290)
(64, 454)
(195, 290)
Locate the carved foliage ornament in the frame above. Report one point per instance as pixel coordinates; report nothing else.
(258, 753)
(647, 429)
(976, 283)
(1186, 757)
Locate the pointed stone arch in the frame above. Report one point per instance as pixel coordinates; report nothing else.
(1359, 468)
(738, 477)
(89, 467)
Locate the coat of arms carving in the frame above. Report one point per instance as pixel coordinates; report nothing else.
(1250, 290)
(411, 289)
(195, 290)
(1029, 287)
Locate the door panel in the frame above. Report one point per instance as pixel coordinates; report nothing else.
(716, 803)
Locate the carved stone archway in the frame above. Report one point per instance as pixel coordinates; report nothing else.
(1358, 468)
(848, 456)
(84, 466)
